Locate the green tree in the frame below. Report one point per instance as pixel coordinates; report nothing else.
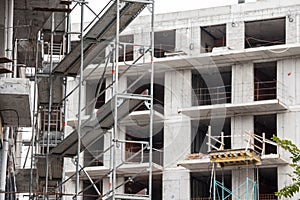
(290, 190)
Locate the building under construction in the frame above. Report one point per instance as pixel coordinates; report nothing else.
(175, 106)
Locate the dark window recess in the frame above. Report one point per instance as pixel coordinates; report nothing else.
(91, 155)
(199, 131)
(164, 43)
(95, 96)
(100, 99)
(265, 32)
(133, 151)
(126, 48)
(266, 124)
(268, 182)
(55, 119)
(140, 185)
(265, 81)
(211, 88)
(143, 85)
(89, 191)
(213, 37)
(201, 184)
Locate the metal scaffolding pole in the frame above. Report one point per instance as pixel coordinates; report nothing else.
(79, 100)
(49, 106)
(33, 116)
(151, 102)
(5, 149)
(115, 92)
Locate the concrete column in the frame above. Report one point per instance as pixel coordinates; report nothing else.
(72, 105)
(297, 17)
(242, 83)
(176, 184)
(288, 74)
(188, 40)
(177, 134)
(239, 125)
(177, 128)
(235, 35)
(291, 24)
(287, 128)
(239, 177)
(120, 190)
(141, 38)
(5, 149)
(70, 189)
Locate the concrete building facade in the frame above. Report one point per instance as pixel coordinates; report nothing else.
(231, 69)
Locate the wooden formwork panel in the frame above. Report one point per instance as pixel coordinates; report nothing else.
(235, 157)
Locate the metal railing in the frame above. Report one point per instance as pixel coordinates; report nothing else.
(211, 95)
(265, 90)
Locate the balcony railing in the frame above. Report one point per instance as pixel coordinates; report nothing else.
(136, 155)
(211, 95)
(265, 90)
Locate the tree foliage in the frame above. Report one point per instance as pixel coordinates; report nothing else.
(290, 190)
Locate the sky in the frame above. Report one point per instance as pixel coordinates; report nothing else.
(161, 6)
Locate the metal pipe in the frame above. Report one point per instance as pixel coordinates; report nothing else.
(15, 59)
(115, 89)
(209, 139)
(151, 103)
(33, 115)
(10, 24)
(4, 162)
(79, 100)
(49, 106)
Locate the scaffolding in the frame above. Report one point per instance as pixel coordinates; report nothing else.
(249, 156)
(50, 143)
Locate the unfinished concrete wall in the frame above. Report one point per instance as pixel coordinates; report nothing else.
(242, 83)
(239, 125)
(177, 127)
(176, 184)
(288, 74)
(177, 134)
(144, 39)
(287, 128)
(290, 31)
(235, 35)
(72, 103)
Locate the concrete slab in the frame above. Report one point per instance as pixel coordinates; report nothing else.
(15, 106)
(204, 164)
(142, 118)
(96, 172)
(229, 110)
(220, 58)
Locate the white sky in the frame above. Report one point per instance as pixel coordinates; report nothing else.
(161, 6)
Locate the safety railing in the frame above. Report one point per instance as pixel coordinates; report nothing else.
(265, 90)
(211, 95)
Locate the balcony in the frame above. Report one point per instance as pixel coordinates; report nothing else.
(212, 95)
(15, 102)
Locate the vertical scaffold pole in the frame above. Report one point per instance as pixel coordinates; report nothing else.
(49, 106)
(214, 182)
(79, 101)
(151, 103)
(33, 115)
(116, 90)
